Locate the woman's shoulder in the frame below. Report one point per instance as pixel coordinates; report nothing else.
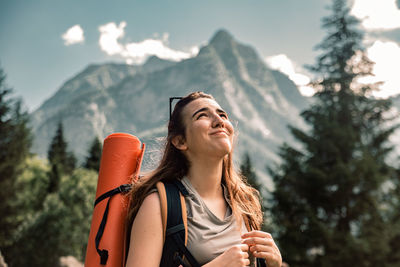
(146, 238)
(151, 202)
(148, 217)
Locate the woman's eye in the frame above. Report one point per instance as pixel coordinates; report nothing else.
(223, 115)
(201, 115)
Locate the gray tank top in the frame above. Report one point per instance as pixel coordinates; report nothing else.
(209, 236)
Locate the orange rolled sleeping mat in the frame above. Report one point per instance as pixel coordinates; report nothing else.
(120, 163)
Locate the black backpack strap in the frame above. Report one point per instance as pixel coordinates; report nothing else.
(261, 262)
(182, 189)
(109, 194)
(174, 250)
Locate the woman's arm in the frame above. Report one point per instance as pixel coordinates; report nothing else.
(146, 241)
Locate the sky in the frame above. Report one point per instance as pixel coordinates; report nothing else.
(46, 42)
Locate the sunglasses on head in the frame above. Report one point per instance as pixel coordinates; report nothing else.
(171, 100)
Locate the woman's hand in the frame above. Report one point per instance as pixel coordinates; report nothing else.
(262, 245)
(235, 256)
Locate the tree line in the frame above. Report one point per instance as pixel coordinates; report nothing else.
(46, 205)
(336, 196)
(336, 199)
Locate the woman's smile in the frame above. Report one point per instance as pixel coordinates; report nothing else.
(220, 132)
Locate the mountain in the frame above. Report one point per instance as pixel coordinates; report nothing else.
(108, 98)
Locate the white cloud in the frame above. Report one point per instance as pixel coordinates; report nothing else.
(386, 56)
(137, 52)
(377, 14)
(109, 35)
(73, 35)
(282, 63)
(194, 50)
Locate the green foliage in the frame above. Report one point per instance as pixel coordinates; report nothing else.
(329, 202)
(93, 160)
(15, 142)
(61, 227)
(61, 161)
(32, 187)
(394, 217)
(247, 170)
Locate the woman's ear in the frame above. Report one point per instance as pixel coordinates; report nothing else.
(179, 142)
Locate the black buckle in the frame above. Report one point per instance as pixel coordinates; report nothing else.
(124, 188)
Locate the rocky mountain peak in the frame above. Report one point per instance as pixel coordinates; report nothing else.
(221, 41)
(221, 37)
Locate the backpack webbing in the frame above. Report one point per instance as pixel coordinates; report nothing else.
(103, 253)
(173, 207)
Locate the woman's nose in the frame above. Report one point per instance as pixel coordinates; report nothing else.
(218, 121)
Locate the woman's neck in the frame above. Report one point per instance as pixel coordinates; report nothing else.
(205, 176)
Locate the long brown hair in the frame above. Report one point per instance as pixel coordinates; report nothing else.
(245, 200)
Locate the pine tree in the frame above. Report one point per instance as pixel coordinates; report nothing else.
(61, 161)
(15, 142)
(247, 170)
(394, 219)
(328, 197)
(93, 160)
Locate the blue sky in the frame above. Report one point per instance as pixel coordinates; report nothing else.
(38, 60)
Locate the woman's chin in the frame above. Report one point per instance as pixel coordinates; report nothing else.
(222, 151)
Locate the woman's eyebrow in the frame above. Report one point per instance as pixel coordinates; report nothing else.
(206, 109)
(200, 110)
(221, 111)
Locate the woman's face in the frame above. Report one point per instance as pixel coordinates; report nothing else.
(208, 130)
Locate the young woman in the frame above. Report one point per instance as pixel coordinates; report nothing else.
(198, 152)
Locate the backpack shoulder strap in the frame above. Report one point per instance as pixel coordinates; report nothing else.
(184, 217)
(162, 191)
(164, 207)
(182, 194)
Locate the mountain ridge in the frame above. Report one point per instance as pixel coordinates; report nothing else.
(121, 98)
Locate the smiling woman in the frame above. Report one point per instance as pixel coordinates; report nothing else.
(223, 213)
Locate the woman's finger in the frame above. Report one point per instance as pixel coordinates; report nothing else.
(245, 255)
(258, 240)
(256, 233)
(269, 257)
(246, 262)
(273, 258)
(262, 248)
(244, 247)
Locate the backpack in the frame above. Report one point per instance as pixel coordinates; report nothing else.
(107, 243)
